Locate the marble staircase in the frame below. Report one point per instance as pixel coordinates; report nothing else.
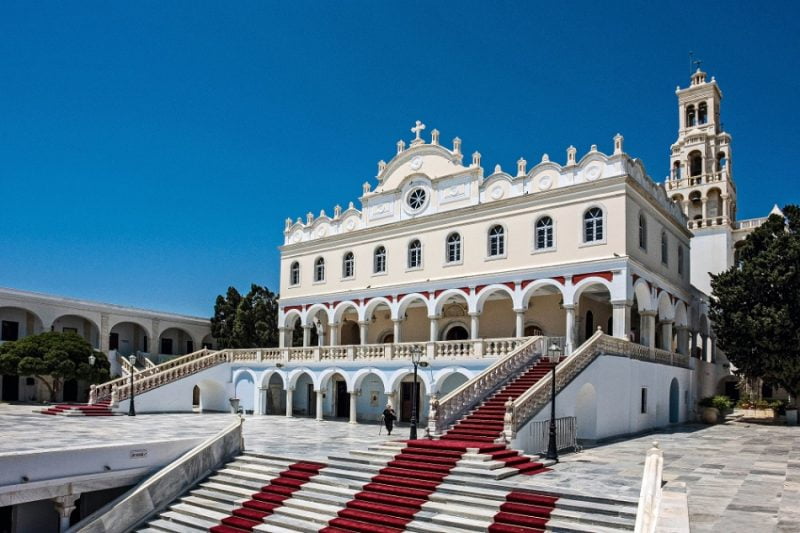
(102, 408)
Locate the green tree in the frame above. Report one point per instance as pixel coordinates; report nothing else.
(53, 357)
(755, 306)
(249, 321)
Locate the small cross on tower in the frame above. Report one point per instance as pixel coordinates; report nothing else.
(417, 130)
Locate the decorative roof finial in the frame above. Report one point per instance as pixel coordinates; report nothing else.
(401, 145)
(381, 166)
(435, 136)
(521, 166)
(322, 213)
(618, 138)
(571, 153)
(545, 158)
(288, 223)
(498, 169)
(337, 210)
(457, 146)
(476, 159)
(351, 205)
(366, 187)
(309, 217)
(417, 130)
(593, 148)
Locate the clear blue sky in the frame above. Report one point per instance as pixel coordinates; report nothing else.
(150, 151)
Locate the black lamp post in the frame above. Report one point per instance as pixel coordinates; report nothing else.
(416, 359)
(131, 407)
(554, 353)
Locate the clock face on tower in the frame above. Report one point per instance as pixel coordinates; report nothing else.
(416, 163)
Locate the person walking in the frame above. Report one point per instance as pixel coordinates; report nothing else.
(388, 418)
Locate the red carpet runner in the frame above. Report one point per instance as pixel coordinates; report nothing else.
(523, 512)
(485, 424)
(397, 493)
(101, 408)
(271, 497)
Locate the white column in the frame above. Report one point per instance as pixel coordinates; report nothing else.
(712, 349)
(519, 317)
(648, 328)
(621, 319)
(704, 200)
(362, 326)
(307, 336)
(396, 322)
(390, 399)
(353, 401)
(569, 328)
(692, 342)
(334, 333)
(289, 398)
(319, 404)
(474, 325)
(64, 507)
(282, 337)
(666, 335)
(683, 339)
(724, 206)
(434, 328)
(261, 407)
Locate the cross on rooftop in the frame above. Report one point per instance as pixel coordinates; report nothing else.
(417, 130)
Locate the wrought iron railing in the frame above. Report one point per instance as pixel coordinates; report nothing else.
(566, 435)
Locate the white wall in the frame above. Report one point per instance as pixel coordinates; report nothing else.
(712, 251)
(617, 382)
(215, 389)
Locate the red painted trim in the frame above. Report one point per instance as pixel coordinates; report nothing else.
(292, 308)
(560, 279)
(479, 288)
(527, 282)
(606, 275)
(510, 284)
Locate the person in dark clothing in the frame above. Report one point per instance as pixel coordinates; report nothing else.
(388, 418)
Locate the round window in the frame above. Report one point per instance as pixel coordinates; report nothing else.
(416, 198)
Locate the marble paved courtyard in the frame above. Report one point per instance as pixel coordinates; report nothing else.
(739, 477)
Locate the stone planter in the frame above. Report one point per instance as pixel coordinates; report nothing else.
(768, 413)
(710, 415)
(791, 417)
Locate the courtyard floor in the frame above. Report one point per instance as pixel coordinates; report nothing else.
(739, 477)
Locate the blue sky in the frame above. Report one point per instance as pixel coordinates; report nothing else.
(150, 151)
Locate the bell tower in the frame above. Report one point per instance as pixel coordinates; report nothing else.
(701, 179)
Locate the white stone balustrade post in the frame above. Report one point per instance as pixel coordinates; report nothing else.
(114, 396)
(92, 394)
(570, 328)
(519, 321)
(64, 507)
(319, 404)
(289, 399)
(474, 324)
(621, 319)
(353, 402)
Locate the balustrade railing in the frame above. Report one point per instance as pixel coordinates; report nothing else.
(566, 435)
(525, 407)
(451, 407)
(700, 179)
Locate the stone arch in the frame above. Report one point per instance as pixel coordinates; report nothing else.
(342, 308)
(489, 290)
(290, 318)
(324, 377)
(408, 299)
(373, 304)
(174, 340)
(641, 291)
(443, 384)
(398, 375)
(592, 299)
(295, 375)
(244, 381)
(451, 293)
(274, 393)
(681, 318)
(449, 330)
(359, 376)
(586, 412)
(589, 283)
(131, 336)
(67, 320)
(266, 377)
(538, 285)
(313, 311)
(29, 322)
(666, 311)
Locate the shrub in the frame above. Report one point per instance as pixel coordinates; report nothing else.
(723, 403)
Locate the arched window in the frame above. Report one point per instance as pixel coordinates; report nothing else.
(593, 225)
(664, 248)
(453, 248)
(676, 170)
(294, 274)
(379, 262)
(695, 164)
(702, 113)
(497, 241)
(722, 161)
(415, 254)
(544, 233)
(642, 232)
(690, 116)
(319, 269)
(348, 265)
(680, 260)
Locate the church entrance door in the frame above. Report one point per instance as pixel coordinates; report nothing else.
(311, 400)
(342, 399)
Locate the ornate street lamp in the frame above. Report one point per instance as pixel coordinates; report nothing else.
(131, 408)
(92, 360)
(554, 354)
(416, 359)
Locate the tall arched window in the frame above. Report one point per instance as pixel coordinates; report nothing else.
(664, 248)
(294, 274)
(497, 241)
(722, 161)
(544, 233)
(415, 254)
(642, 232)
(690, 116)
(319, 269)
(702, 113)
(348, 265)
(593, 225)
(453, 248)
(676, 170)
(680, 260)
(695, 164)
(379, 261)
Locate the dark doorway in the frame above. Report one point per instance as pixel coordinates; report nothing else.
(589, 325)
(533, 331)
(406, 400)
(166, 346)
(189, 346)
(113, 341)
(457, 333)
(10, 331)
(10, 388)
(196, 396)
(311, 400)
(731, 390)
(6, 514)
(342, 399)
(71, 390)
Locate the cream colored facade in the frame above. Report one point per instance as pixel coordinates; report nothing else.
(593, 273)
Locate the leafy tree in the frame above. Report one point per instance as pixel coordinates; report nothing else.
(755, 305)
(53, 355)
(246, 322)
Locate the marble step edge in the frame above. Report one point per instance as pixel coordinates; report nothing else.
(190, 520)
(161, 524)
(303, 514)
(200, 501)
(278, 523)
(203, 513)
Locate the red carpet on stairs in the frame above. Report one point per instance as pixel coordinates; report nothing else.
(270, 497)
(398, 491)
(523, 512)
(102, 408)
(485, 424)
